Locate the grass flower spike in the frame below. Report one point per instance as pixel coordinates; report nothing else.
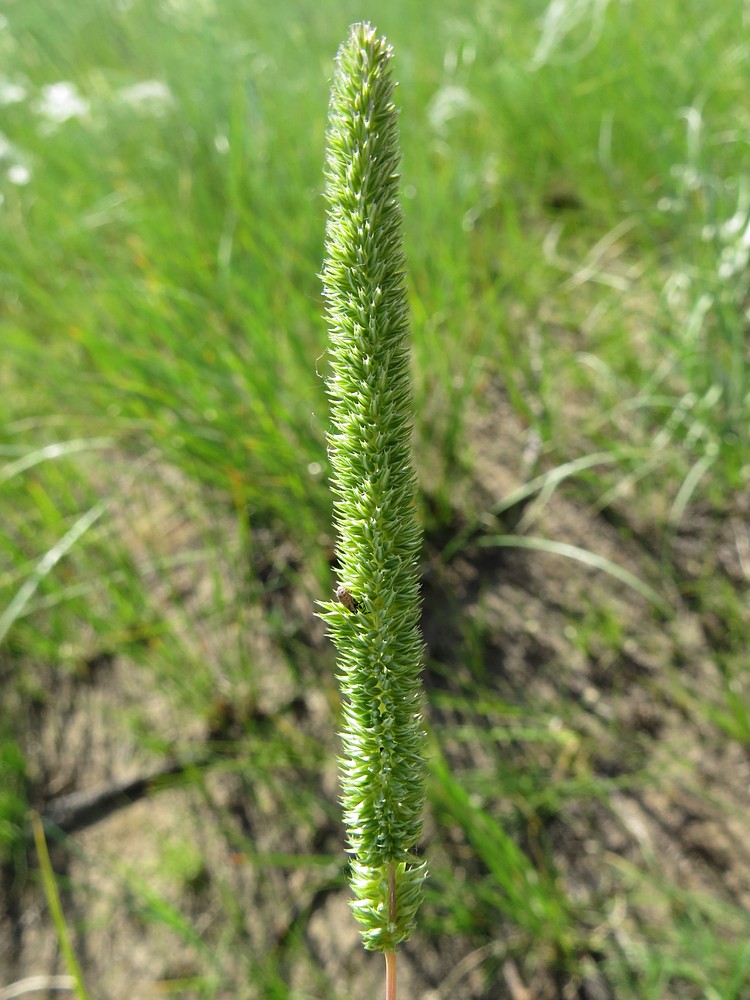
(374, 622)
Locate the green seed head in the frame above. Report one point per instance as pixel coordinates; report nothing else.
(379, 538)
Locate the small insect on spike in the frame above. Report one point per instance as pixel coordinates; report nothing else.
(344, 595)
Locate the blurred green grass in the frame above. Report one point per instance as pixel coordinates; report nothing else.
(577, 208)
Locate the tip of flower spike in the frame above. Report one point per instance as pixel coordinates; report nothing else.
(364, 35)
(362, 29)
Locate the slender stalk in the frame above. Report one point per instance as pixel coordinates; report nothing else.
(390, 975)
(375, 621)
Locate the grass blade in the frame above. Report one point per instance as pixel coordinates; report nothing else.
(580, 555)
(55, 907)
(45, 566)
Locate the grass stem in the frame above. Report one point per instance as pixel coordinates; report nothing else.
(390, 975)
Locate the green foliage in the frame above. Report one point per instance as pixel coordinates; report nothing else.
(517, 888)
(376, 624)
(13, 802)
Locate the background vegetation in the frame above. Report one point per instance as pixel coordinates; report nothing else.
(577, 205)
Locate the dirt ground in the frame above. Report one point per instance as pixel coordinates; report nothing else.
(145, 927)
